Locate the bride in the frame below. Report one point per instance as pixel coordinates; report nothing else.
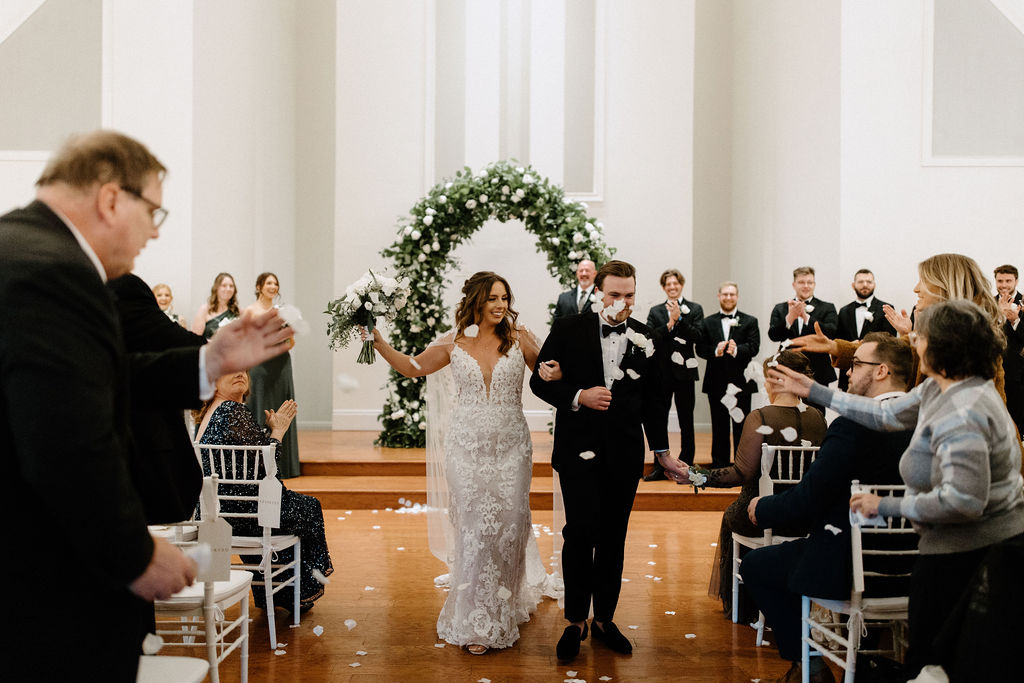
(496, 576)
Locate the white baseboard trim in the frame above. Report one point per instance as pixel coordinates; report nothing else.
(315, 425)
(368, 420)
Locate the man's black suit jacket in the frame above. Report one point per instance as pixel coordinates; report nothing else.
(846, 327)
(566, 304)
(163, 465)
(822, 497)
(615, 436)
(72, 510)
(682, 337)
(1013, 364)
(724, 370)
(824, 313)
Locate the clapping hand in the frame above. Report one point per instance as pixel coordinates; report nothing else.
(720, 349)
(1010, 310)
(281, 419)
(797, 310)
(731, 348)
(672, 306)
(900, 321)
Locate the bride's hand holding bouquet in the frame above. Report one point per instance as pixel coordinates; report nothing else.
(366, 299)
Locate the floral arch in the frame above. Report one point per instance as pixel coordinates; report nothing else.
(447, 216)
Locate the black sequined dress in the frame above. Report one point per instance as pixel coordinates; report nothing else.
(233, 425)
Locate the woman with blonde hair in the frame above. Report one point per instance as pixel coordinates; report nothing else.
(220, 309)
(165, 300)
(495, 575)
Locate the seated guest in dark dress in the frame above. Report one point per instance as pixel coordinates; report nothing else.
(820, 565)
(225, 420)
(788, 423)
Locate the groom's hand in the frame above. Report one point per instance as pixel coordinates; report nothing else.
(596, 398)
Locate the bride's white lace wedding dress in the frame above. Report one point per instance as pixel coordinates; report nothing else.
(488, 467)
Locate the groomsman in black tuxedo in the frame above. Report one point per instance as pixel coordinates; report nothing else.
(729, 340)
(677, 322)
(1009, 300)
(862, 316)
(577, 299)
(796, 317)
(605, 402)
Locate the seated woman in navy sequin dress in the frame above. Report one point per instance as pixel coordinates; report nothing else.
(224, 420)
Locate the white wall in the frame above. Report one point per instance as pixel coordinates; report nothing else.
(895, 212)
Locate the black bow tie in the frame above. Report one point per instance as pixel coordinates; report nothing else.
(861, 303)
(729, 315)
(610, 329)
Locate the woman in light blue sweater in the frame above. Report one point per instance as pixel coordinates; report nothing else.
(962, 468)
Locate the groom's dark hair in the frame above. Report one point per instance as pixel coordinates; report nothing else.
(616, 268)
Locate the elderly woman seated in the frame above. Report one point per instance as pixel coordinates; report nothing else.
(224, 420)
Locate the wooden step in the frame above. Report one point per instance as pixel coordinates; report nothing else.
(380, 492)
(384, 468)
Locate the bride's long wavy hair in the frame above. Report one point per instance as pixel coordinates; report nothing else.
(475, 292)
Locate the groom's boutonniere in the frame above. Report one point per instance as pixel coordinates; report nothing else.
(684, 309)
(733, 322)
(640, 341)
(869, 316)
(809, 308)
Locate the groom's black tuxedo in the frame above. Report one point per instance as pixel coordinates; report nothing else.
(679, 378)
(598, 491)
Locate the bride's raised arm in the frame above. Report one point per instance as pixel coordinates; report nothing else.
(433, 358)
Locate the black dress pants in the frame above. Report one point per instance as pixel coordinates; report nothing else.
(722, 425)
(684, 394)
(597, 507)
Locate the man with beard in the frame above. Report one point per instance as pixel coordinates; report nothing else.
(577, 299)
(862, 316)
(1009, 300)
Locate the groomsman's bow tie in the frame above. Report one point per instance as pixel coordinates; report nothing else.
(613, 329)
(862, 303)
(729, 315)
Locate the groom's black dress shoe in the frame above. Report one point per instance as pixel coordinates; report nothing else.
(657, 474)
(569, 644)
(613, 638)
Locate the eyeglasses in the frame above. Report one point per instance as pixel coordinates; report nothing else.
(159, 213)
(858, 362)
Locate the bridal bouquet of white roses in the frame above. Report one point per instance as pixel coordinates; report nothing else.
(366, 299)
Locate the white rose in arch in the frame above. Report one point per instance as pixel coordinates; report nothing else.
(471, 204)
(431, 212)
(577, 238)
(415, 234)
(520, 169)
(421, 258)
(428, 219)
(483, 199)
(572, 255)
(435, 246)
(426, 248)
(520, 193)
(505, 189)
(448, 186)
(527, 179)
(442, 199)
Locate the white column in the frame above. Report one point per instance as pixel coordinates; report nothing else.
(547, 88)
(483, 82)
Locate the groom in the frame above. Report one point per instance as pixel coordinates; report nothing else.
(607, 397)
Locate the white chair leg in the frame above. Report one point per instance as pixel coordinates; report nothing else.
(735, 582)
(298, 581)
(268, 592)
(244, 633)
(210, 623)
(805, 636)
(760, 629)
(853, 635)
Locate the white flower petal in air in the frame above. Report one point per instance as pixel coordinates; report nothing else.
(764, 429)
(834, 529)
(504, 593)
(605, 678)
(369, 588)
(617, 374)
(690, 635)
(677, 358)
(736, 414)
(671, 613)
(587, 455)
(805, 443)
(633, 374)
(801, 406)
(680, 340)
(282, 652)
(319, 576)
(691, 362)
(786, 343)
(471, 330)
(439, 645)
(632, 627)
(346, 383)
(731, 389)
(788, 433)
(571, 674)
(151, 644)
(772, 363)
(617, 306)
(318, 630)
(652, 562)
(729, 401)
(649, 350)
(355, 665)
(483, 680)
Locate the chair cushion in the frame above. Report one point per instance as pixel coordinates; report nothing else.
(225, 594)
(188, 533)
(164, 669)
(250, 542)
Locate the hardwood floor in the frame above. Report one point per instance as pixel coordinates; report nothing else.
(384, 573)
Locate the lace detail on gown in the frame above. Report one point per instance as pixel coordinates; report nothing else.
(488, 467)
